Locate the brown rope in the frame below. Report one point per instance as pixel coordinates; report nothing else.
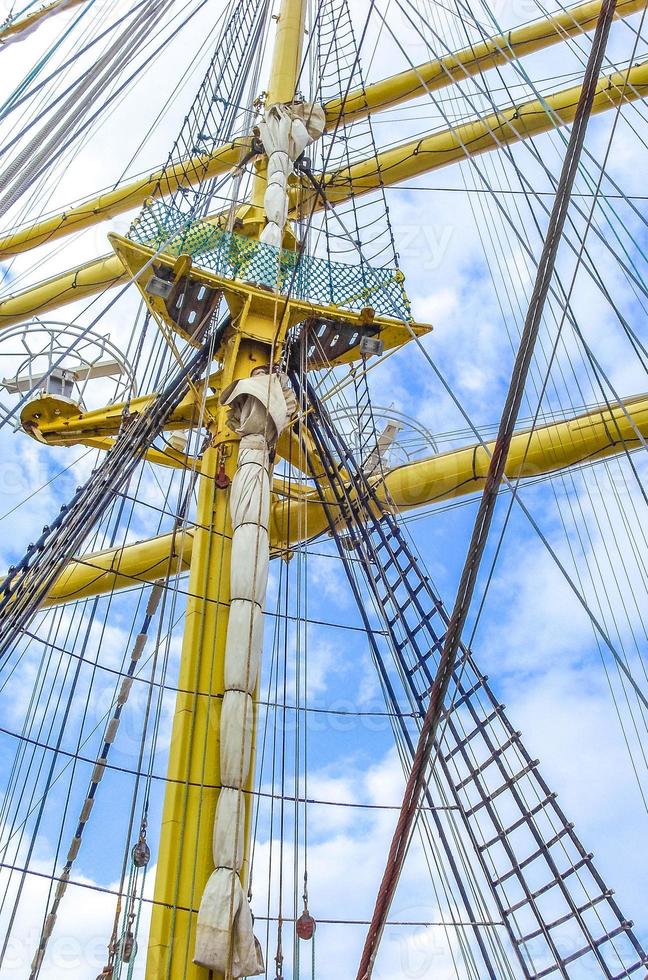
(417, 778)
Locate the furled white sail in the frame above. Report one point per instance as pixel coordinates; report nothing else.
(286, 131)
(260, 408)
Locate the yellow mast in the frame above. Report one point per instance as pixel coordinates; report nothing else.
(286, 58)
(185, 854)
(184, 860)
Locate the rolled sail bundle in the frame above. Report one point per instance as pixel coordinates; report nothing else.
(286, 131)
(260, 408)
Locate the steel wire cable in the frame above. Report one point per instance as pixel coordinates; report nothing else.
(100, 765)
(35, 70)
(596, 478)
(597, 880)
(81, 125)
(601, 169)
(475, 761)
(88, 627)
(119, 524)
(348, 502)
(75, 755)
(579, 332)
(498, 952)
(72, 59)
(529, 145)
(520, 237)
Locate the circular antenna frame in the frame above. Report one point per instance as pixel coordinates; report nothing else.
(62, 359)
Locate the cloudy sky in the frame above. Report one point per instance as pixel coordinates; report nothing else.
(469, 275)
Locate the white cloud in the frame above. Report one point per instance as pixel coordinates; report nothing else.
(78, 947)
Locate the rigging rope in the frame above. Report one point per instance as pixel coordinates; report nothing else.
(417, 780)
(97, 775)
(27, 164)
(26, 584)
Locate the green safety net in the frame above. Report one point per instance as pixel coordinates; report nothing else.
(306, 277)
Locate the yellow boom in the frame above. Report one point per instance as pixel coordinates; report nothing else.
(389, 92)
(125, 197)
(588, 437)
(409, 160)
(23, 25)
(494, 51)
(84, 280)
(481, 135)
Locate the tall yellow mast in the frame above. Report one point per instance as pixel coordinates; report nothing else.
(286, 58)
(185, 853)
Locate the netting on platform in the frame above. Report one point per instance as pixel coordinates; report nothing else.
(233, 256)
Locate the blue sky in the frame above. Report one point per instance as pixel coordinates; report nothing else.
(468, 277)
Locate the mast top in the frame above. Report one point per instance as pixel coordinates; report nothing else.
(287, 54)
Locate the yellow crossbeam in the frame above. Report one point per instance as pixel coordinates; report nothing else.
(481, 135)
(80, 282)
(125, 197)
(490, 53)
(591, 436)
(163, 457)
(409, 160)
(407, 85)
(123, 568)
(25, 24)
(60, 422)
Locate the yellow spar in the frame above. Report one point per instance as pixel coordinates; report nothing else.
(23, 25)
(125, 197)
(588, 437)
(482, 135)
(85, 280)
(409, 160)
(389, 92)
(494, 51)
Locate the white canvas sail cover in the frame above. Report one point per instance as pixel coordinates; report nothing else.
(260, 408)
(286, 131)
